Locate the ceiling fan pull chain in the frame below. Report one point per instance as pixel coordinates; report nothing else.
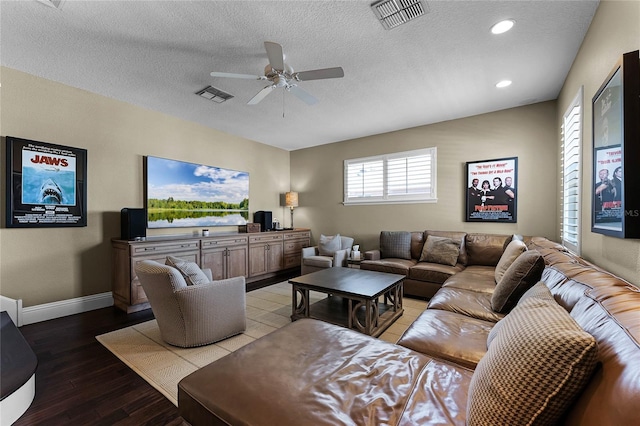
(283, 104)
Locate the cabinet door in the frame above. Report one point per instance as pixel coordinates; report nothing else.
(275, 257)
(257, 259)
(293, 252)
(237, 261)
(214, 259)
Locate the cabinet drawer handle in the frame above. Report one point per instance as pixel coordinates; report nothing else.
(149, 248)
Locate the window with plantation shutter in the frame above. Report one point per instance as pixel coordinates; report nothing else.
(571, 133)
(402, 177)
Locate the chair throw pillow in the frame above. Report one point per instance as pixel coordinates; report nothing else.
(523, 273)
(514, 249)
(191, 272)
(328, 245)
(396, 244)
(440, 250)
(538, 363)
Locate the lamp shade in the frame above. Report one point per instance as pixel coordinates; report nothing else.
(291, 199)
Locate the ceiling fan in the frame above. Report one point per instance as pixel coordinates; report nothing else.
(281, 74)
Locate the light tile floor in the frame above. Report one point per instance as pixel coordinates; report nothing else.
(269, 308)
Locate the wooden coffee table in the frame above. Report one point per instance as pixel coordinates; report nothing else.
(353, 299)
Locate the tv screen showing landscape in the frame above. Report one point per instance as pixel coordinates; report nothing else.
(180, 194)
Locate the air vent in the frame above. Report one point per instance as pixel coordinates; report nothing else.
(215, 95)
(392, 13)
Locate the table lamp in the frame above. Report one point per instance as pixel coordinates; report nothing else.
(291, 201)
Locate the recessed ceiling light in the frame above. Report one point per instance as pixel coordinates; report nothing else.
(503, 26)
(503, 83)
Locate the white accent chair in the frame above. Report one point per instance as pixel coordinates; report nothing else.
(193, 315)
(313, 261)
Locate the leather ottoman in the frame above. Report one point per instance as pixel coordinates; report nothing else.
(311, 372)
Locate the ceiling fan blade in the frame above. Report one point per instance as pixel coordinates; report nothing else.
(261, 95)
(303, 95)
(233, 75)
(336, 72)
(275, 55)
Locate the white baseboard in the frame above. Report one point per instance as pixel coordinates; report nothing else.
(62, 308)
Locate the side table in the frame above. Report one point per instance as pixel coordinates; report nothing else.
(354, 263)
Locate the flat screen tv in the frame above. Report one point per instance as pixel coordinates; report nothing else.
(181, 194)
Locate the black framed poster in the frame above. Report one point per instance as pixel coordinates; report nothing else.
(616, 152)
(46, 184)
(491, 194)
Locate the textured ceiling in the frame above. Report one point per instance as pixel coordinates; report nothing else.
(441, 66)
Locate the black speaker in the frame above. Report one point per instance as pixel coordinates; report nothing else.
(133, 224)
(264, 219)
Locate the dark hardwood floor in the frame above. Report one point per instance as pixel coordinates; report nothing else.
(79, 382)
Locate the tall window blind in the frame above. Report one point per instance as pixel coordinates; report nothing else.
(400, 177)
(571, 134)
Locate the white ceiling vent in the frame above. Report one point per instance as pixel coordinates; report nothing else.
(392, 13)
(215, 95)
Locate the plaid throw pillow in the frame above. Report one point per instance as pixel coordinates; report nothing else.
(537, 364)
(395, 244)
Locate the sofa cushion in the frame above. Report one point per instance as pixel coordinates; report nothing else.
(318, 261)
(534, 368)
(391, 266)
(466, 302)
(417, 242)
(434, 272)
(448, 336)
(395, 244)
(440, 250)
(514, 249)
(328, 245)
(191, 272)
(475, 278)
(523, 273)
(484, 249)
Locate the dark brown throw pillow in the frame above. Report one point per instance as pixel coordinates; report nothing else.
(523, 273)
(440, 250)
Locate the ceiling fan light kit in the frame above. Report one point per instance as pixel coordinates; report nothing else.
(282, 75)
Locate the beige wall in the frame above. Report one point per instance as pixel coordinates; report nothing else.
(52, 264)
(47, 265)
(529, 133)
(615, 29)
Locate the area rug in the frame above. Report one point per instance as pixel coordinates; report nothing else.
(163, 366)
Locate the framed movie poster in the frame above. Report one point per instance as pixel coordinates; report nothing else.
(46, 184)
(491, 194)
(616, 152)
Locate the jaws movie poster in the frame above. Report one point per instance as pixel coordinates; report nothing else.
(46, 184)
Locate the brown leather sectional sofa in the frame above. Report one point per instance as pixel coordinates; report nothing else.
(439, 373)
(424, 279)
